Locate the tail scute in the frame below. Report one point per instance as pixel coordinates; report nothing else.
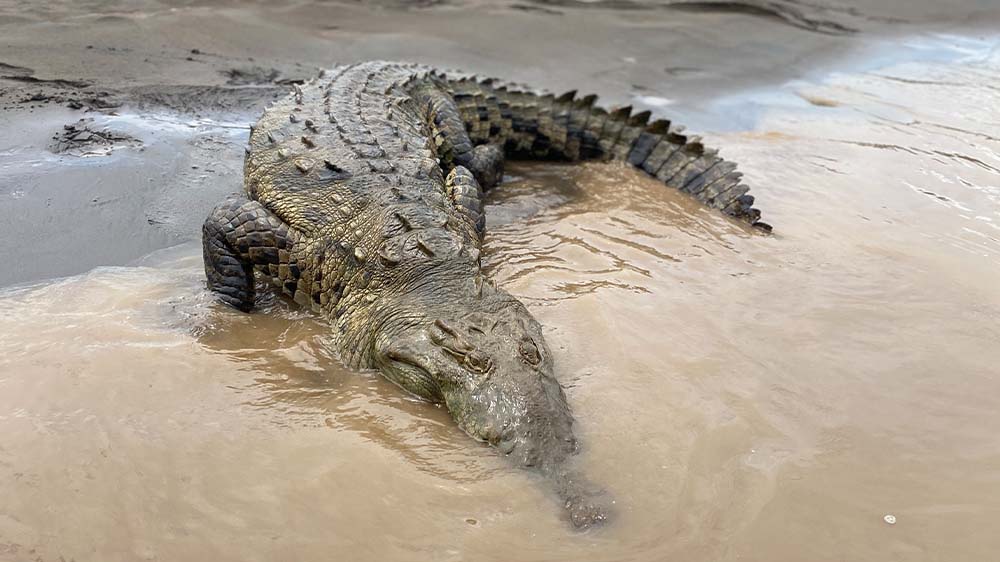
(639, 119)
(539, 125)
(622, 113)
(567, 97)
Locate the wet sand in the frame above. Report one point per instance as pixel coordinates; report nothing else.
(742, 397)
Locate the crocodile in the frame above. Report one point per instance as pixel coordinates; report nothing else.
(364, 202)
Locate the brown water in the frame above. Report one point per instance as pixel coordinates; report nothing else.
(742, 397)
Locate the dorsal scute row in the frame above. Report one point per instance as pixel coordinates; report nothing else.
(340, 125)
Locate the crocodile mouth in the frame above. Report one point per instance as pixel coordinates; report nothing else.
(409, 373)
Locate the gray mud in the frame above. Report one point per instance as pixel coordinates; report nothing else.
(83, 138)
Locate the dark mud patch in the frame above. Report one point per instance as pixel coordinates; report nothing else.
(44, 95)
(262, 76)
(251, 75)
(188, 99)
(27, 88)
(535, 9)
(775, 11)
(54, 82)
(408, 4)
(684, 71)
(10, 70)
(767, 10)
(200, 100)
(83, 138)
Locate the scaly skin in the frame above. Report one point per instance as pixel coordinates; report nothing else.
(364, 202)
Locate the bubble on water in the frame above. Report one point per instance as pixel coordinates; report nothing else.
(890, 519)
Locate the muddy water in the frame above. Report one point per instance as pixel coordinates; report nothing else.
(742, 397)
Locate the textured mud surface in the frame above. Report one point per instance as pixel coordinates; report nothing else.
(83, 139)
(742, 398)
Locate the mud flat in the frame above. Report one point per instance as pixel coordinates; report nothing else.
(743, 397)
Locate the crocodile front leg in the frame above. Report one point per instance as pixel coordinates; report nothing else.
(464, 193)
(238, 235)
(452, 142)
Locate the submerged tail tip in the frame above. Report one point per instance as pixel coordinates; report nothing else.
(742, 208)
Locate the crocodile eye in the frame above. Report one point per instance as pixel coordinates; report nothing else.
(529, 351)
(478, 362)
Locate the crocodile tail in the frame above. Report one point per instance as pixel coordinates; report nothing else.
(541, 126)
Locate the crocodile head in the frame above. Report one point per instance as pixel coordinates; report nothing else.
(493, 371)
(494, 374)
